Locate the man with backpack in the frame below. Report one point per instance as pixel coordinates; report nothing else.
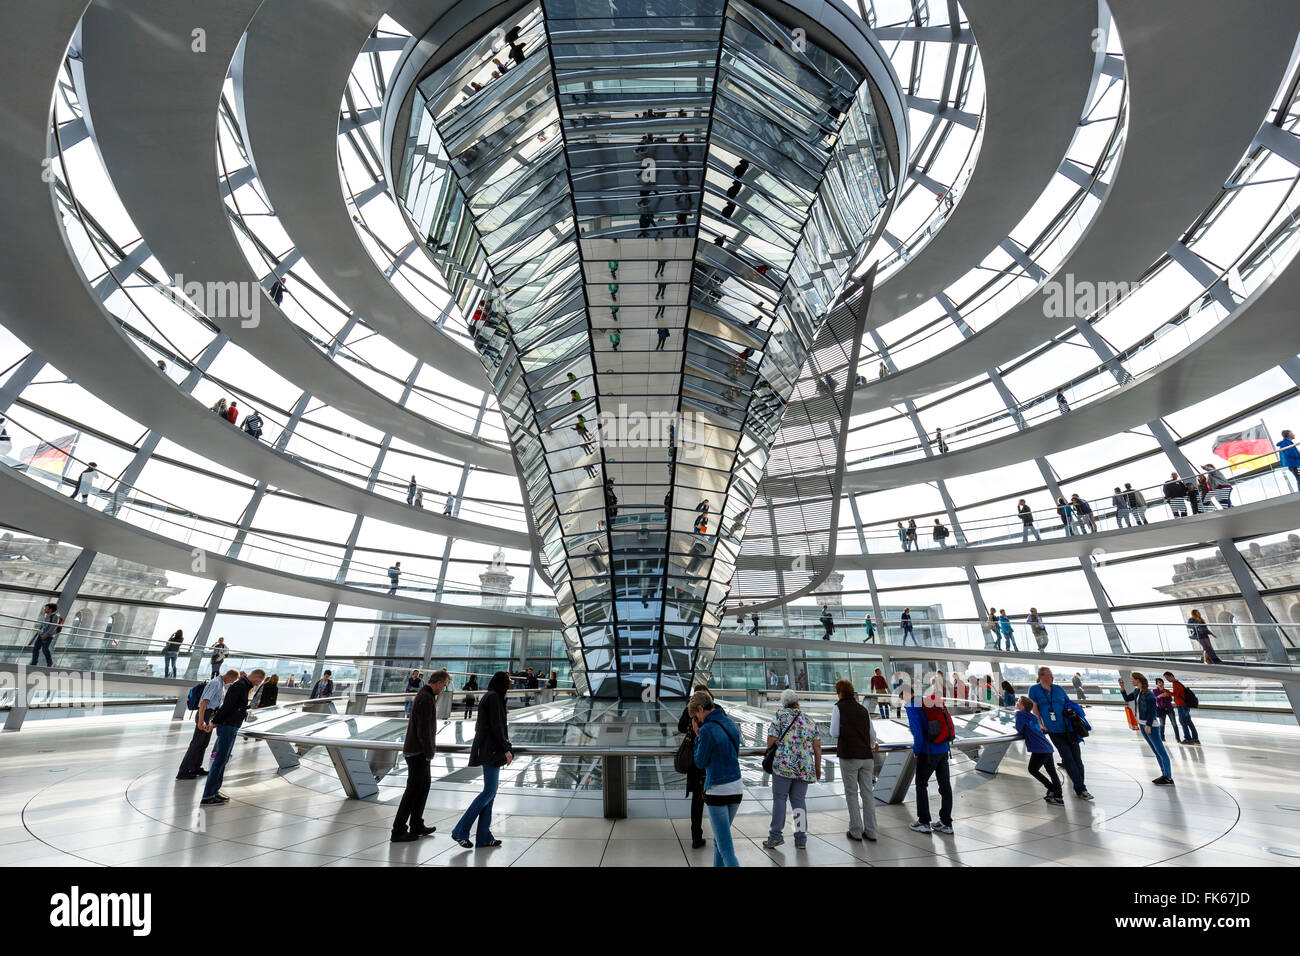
(211, 697)
(170, 652)
(219, 651)
(1184, 701)
(1056, 712)
(49, 628)
(932, 731)
(828, 623)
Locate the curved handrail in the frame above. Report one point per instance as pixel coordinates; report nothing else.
(1007, 528)
(155, 512)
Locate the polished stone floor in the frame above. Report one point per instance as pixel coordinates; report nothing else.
(101, 791)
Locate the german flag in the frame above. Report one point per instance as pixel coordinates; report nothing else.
(49, 457)
(1246, 450)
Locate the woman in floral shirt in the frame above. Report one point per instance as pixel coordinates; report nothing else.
(798, 762)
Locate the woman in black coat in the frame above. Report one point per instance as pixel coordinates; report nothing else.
(470, 685)
(270, 691)
(491, 751)
(694, 782)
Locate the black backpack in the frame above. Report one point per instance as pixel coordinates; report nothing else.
(196, 692)
(1189, 697)
(684, 760)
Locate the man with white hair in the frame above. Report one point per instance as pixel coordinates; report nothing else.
(1051, 706)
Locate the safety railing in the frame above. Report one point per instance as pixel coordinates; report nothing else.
(1234, 642)
(85, 648)
(150, 512)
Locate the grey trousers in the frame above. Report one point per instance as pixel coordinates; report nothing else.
(857, 780)
(795, 791)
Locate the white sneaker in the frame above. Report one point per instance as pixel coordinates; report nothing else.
(920, 827)
(943, 828)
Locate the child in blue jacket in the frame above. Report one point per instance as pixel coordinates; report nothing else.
(1031, 731)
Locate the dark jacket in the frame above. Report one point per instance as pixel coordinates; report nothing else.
(717, 750)
(325, 691)
(1028, 728)
(173, 645)
(49, 626)
(854, 741)
(270, 694)
(1174, 489)
(234, 708)
(490, 739)
(695, 776)
(420, 726)
(1026, 514)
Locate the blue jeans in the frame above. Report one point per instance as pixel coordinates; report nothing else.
(884, 709)
(1157, 745)
(169, 665)
(1189, 728)
(1011, 642)
(907, 632)
(724, 854)
(225, 742)
(796, 791)
(42, 645)
(480, 810)
(1067, 745)
(1164, 716)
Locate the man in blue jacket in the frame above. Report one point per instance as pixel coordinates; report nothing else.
(931, 759)
(1051, 704)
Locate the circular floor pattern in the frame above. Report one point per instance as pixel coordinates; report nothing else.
(114, 801)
